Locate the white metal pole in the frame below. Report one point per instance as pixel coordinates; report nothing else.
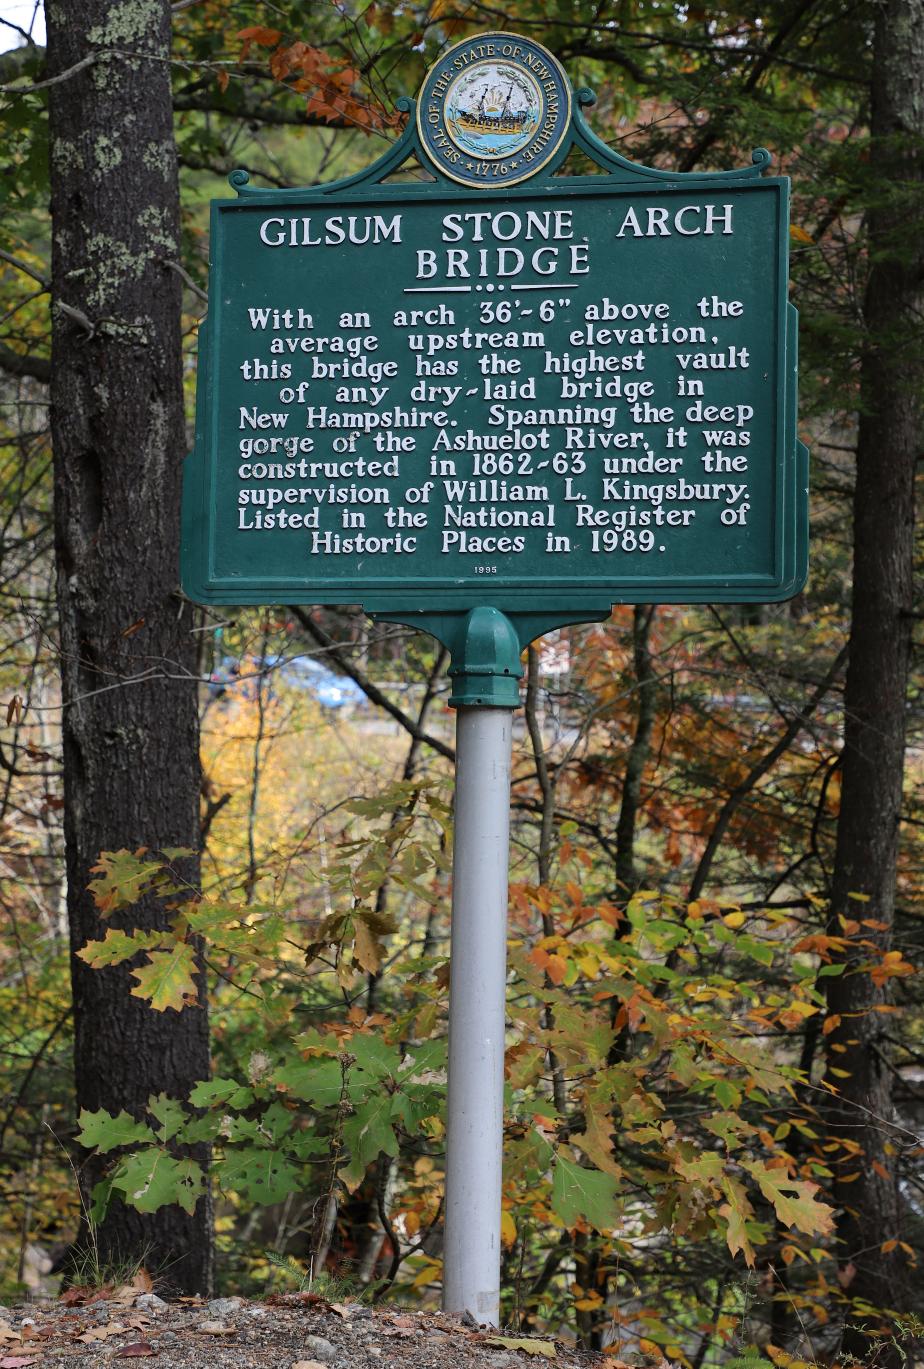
(478, 976)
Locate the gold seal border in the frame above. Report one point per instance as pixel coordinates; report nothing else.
(551, 150)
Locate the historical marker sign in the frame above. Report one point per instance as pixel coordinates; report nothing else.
(493, 403)
(539, 393)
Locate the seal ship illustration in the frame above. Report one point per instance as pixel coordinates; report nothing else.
(493, 114)
(492, 111)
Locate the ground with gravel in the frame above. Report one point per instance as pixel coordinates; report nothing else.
(289, 1331)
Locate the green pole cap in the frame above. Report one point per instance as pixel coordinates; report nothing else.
(486, 669)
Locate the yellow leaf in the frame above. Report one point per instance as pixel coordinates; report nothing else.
(528, 1346)
(508, 1229)
(734, 920)
(367, 949)
(114, 1328)
(429, 1274)
(799, 234)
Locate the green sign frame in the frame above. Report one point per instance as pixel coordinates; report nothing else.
(764, 561)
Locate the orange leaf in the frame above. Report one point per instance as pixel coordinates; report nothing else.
(263, 37)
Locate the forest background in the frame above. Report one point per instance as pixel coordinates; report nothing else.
(223, 990)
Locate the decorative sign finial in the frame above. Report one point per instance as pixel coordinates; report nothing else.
(494, 110)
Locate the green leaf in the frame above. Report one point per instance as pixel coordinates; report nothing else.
(315, 1081)
(198, 1129)
(729, 1127)
(100, 1195)
(277, 1121)
(374, 1056)
(259, 1175)
(169, 1113)
(579, 1192)
(208, 1092)
(105, 1132)
(757, 950)
(727, 1093)
(422, 1061)
(368, 1133)
(705, 1169)
(153, 1178)
(314, 1043)
(167, 978)
(411, 1106)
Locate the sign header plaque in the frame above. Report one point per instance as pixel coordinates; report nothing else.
(499, 385)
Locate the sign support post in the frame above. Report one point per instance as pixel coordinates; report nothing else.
(478, 977)
(485, 647)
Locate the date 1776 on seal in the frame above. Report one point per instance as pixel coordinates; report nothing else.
(494, 110)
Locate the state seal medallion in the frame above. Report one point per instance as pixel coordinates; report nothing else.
(494, 110)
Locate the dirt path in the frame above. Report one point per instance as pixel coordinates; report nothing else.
(294, 1331)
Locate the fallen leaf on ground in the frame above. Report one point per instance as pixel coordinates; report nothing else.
(7, 1334)
(531, 1347)
(126, 1293)
(16, 1361)
(307, 1364)
(76, 1297)
(137, 1350)
(114, 1328)
(215, 1328)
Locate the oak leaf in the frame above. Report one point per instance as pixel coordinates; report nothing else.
(793, 1199)
(167, 978)
(121, 878)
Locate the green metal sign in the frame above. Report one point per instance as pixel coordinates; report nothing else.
(545, 394)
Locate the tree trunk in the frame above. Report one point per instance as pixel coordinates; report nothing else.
(131, 767)
(875, 697)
